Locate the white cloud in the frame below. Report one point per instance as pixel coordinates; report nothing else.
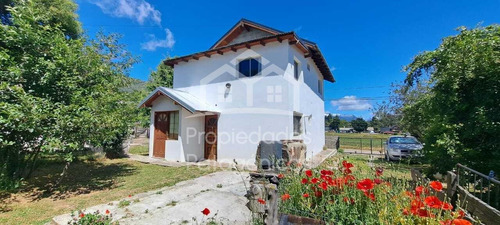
(351, 103)
(155, 43)
(138, 10)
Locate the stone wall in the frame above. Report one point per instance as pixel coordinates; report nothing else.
(332, 142)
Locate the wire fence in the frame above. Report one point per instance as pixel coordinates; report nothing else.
(363, 145)
(481, 186)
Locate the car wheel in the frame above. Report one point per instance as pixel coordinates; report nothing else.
(387, 157)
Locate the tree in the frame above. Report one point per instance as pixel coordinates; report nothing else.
(451, 98)
(345, 123)
(59, 90)
(328, 118)
(335, 123)
(375, 123)
(359, 124)
(162, 77)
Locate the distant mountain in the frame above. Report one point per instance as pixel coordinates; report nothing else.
(348, 118)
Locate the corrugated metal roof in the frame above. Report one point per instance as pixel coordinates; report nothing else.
(186, 100)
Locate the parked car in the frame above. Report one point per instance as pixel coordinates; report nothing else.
(402, 147)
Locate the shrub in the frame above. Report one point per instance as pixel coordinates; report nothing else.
(348, 196)
(91, 219)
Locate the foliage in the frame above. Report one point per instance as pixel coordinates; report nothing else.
(359, 124)
(335, 123)
(347, 195)
(375, 123)
(162, 77)
(385, 115)
(59, 90)
(451, 99)
(95, 218)
(344, 123)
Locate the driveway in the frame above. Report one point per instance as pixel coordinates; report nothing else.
(221, 192)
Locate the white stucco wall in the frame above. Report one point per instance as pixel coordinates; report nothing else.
(187, 147)
(252, 109)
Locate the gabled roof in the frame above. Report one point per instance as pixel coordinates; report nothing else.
(184, 99)
(224, 44)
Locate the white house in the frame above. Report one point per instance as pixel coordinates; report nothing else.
(255, 83)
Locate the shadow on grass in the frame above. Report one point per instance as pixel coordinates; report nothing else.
(82, 177)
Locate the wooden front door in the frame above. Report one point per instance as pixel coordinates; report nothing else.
(211, 137)
(160, 134)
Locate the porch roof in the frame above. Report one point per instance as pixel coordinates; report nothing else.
(184, 99)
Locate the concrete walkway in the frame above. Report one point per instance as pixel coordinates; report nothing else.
(221, 192)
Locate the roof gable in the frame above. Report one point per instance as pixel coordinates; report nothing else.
(243, 31)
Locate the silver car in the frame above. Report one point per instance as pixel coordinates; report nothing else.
(402, 147)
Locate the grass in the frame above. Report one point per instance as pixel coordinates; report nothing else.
(361, 141)
(89, 182)
(367, 163)
(139, 150)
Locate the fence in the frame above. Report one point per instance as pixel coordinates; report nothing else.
(485, 188)
(364, 145)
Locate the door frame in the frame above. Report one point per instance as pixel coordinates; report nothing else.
(216, 136)
(167, 130)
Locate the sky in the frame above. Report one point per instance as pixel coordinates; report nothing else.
(366, 43)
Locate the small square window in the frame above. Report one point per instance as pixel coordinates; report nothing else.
(308, 67)
(296, 70)
(320, 87)
(297, 125)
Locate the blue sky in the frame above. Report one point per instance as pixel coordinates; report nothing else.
(366, 43)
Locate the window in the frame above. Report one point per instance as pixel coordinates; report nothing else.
(297, 125)
(320, 87)
(173, 132)
(308, 67)
(296, 70)
(249, 67)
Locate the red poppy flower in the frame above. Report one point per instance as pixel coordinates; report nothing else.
(261, 201)
(305, 195)
(365, 185)
(447, 206)
(323, 185)
(423, 213)
(305, 181)
(309, 173)
(314, 180)
(405, 212)
(436, 185)
(285, 197)
(377, 181)
(107, 211)
(445, 222)
(280, 176)
(206, 211)
(326, 172)
(409, 194)
(129, 196)
(460, 222)
(419, 190)
(318, 194)
(82, 215)
(460, 214)
(347, 165)
(379, 171)
(349, 177)
(347, 171)
(433, 202)
(369, 195)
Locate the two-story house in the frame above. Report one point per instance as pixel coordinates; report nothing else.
(255, 83)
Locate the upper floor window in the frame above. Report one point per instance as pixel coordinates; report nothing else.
(249, 67)
(296, 70)
(320, 87)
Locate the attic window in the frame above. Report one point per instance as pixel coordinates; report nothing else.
(249, 67)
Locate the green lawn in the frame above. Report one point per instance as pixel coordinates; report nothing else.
(139, 150)
(362, 141)
(367, 163)
(88, 182)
